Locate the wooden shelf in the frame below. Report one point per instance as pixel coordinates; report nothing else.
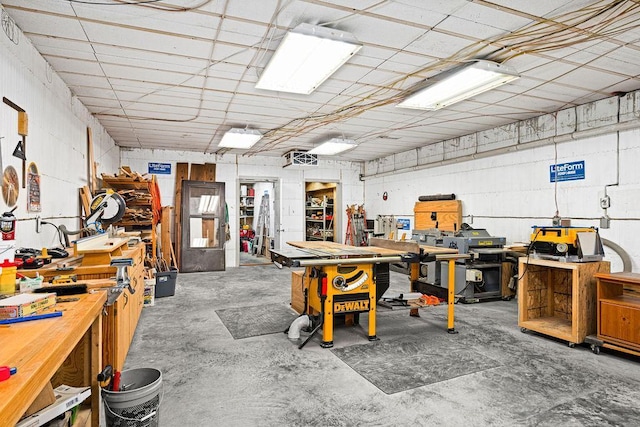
(121, 183)
(324, 226)
(558, 298)
(142, 208)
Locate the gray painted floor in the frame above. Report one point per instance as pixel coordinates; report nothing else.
(416, 375)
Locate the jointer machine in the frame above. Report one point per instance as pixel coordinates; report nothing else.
(344, 280)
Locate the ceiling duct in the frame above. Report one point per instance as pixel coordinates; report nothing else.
(300, 158)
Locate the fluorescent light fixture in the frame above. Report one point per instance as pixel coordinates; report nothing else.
(306, 57)
(333, 146)
(469, 81)
(240, 138)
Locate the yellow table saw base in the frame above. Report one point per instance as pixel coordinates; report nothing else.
(342, 290)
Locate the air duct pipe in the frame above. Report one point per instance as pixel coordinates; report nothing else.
(297, 325)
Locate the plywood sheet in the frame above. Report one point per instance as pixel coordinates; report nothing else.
(338, 249)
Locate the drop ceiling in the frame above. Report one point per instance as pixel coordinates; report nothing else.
(177, 74)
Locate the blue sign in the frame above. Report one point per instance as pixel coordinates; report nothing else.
(405, 223)
(570, 171)
(160, 168)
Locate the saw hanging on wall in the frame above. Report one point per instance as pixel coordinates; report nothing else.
(10, 186)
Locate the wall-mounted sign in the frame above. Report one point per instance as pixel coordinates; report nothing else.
(404, 222)
(160, 168)
(570, 171)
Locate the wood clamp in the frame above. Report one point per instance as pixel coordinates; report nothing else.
(122, 279)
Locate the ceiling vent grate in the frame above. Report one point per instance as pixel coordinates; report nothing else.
(300, 158)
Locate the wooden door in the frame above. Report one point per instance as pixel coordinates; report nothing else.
(203, 226)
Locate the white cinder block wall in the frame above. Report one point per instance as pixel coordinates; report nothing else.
(509, 193)
(232, 169)
(56, 141)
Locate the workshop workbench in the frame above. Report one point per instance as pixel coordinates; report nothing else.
(63, 350)
(122, 317)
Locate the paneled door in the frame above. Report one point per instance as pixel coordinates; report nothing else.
(203, 222)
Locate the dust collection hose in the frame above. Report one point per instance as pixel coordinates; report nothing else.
(297, 325)
(626, 259)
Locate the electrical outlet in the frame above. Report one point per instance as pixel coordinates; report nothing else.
(605, 202)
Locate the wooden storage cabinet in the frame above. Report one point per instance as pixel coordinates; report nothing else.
(619, 311)
(558, 298)
(119, 324)
(122, 317)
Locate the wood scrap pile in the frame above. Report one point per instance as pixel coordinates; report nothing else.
(136, 197)
(137, 216)
(125, 173)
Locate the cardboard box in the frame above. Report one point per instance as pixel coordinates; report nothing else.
(299, 283)
(25, 305)
(149, 292)
(64, 399)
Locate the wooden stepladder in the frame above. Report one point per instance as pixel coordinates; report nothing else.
(356, 221)
(262, 230)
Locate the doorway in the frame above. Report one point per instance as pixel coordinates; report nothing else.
(257, 219)
(202, 245)
(322, 212)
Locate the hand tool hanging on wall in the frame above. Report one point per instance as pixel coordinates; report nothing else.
(23, 125)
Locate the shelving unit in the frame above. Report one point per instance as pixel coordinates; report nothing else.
(246, 210)
(246, 213)
(319, 220)
(619, 311)
(558, 298)
(142, 213)
(319, 211)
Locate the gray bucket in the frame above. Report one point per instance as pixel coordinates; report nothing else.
(138, 404)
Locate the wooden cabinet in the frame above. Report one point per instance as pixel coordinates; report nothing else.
(619, 311)
(558, 298)
(143, 208)
(121, 319)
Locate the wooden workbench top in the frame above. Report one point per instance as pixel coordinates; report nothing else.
(338, 249)
(38, 348)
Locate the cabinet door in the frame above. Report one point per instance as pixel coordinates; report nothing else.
(203, 226)
(620, 322)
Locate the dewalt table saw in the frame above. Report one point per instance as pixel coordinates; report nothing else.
(343, 279)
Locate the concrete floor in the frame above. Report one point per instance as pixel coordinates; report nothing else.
(517, 378)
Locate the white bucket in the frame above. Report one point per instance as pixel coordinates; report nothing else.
(139, 404)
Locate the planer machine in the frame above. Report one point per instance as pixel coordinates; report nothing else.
(567, 244)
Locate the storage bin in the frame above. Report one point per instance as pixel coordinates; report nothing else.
(166, 283)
